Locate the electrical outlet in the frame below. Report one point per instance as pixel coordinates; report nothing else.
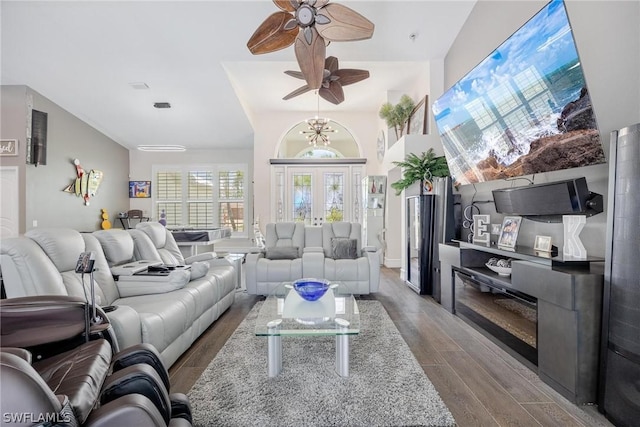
(35, 223)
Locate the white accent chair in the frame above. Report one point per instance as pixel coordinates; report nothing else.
(286, 241)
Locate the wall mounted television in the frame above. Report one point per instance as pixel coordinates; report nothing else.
(525, 109)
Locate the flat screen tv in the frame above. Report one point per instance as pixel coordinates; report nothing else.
(525, 109)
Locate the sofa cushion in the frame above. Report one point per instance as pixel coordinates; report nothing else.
(283, 252)
(344, 248)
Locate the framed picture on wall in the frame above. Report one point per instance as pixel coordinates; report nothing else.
(418, 118)
(139, 189)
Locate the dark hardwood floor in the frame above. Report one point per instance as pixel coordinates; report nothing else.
(481, 384)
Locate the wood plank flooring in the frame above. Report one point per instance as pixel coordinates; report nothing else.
(481, 384)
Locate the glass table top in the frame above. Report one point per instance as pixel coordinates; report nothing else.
(285, 313)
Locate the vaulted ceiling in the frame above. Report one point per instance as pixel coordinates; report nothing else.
(84, 56)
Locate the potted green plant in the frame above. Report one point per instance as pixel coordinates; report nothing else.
(418, 168)
(397, 115)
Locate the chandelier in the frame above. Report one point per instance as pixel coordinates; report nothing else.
(318, 129)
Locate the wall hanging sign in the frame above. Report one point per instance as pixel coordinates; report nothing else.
(8, 147)
(139, 189)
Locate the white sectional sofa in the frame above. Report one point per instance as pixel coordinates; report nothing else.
(169, 315)
(332, 251)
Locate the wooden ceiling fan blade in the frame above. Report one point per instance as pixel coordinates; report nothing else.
(271, 35)
(296, 74)
(331, 64)
(285, 5)
(344, 24)
(311, 58)
(334, 93)
(350, 76)
(299, 91)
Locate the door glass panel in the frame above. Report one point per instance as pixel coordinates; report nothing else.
(333, 197)
(302, 197)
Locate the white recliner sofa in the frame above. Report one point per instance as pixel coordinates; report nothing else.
(168, 315)
(332, 251)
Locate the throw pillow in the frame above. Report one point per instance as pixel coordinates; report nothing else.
(282, 252)
(344, 248)
(199, 269)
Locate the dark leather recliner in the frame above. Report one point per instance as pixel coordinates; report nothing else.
(57, 365)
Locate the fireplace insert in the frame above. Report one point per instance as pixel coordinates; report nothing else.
(509, 316)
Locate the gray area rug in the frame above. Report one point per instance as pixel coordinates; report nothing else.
(386, 386)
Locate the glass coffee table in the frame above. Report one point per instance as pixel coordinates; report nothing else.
(285, 313)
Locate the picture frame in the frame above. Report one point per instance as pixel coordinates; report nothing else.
(139, 189)
(509, 232)
(8, 147)
(418, 119)
(542, 244)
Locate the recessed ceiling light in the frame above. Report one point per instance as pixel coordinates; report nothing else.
(139, 85)
(162, 105)
(161, 148)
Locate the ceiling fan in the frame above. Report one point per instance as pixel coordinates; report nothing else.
(332, 81)
(310, 25)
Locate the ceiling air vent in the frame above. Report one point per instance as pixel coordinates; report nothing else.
(162, 105)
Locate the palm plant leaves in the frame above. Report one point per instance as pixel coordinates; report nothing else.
(397, 115)
(416, 168)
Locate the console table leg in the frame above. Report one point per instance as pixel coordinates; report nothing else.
(342, 349)
(274, 349)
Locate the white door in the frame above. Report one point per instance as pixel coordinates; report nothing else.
(9, 212)
(318, 194)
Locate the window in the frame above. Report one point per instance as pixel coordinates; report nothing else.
(202, 196)
(231, 199)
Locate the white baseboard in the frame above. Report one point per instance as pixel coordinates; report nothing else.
(392, 263)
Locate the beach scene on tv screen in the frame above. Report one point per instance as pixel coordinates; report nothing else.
(525, 109)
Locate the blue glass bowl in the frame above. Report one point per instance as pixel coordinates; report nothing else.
(311, 289)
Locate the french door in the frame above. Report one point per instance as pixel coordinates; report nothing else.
(317, 194)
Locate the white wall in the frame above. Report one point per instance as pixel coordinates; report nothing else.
(608, 40)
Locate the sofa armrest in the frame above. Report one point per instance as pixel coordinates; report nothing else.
(206, 256)
(250, 269)
(220, 262)
(374, 270)
(129, 286)
(20, 352)
(126, 325)
(370, 249)
(313, 249)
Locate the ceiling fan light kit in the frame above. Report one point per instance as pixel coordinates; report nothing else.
(310, 25)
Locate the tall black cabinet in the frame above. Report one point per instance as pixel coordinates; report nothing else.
(420, 242)
(620, 352)
(431, 219)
